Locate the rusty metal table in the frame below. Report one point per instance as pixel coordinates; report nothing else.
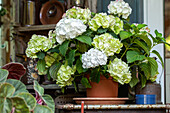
(133, 108)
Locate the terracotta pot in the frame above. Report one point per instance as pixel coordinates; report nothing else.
(105, 88)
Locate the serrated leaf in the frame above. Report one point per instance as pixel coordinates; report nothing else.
(20, 105)
(41, 65)
(134, 79)
(125, 34)
(153, 66)
(71, 57)
(41, 55)
(159, 56)
(42, 109)
(54, 70)
(29, 99)
(85, 82)
(38, 88)
(146, 39)
(95, 76)
(19, 86)
(54, 50)
(63, 48)
(6, 105)
(84, 39)
(145, 48)
(3, 75)
(145, 67)
(143, 81)
(79, 66)
(133, 56)
(113, 34)
(49, 101)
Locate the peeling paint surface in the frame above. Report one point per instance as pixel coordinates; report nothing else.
(129, 106)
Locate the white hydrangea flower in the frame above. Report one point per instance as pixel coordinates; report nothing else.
(93, 58)
(69, 29)
(64, 77)
(79, 13)
(37, 44)
(120, 8)
(107, 43)
(119, 70)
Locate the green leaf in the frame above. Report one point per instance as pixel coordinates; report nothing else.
(140, 26)
(84, 39)
(143, 81)
(145, 48)
(54, 70)
(85, 82)
(56, 49)
(41, 65)
(145, 67)
(71, 57)
(3, 75)
(159, 56)
(6, 105)
(41, 55)
(153, 66)
(49, 101)
(19, 86)
(82, 47)
(95, 75)
(101, 30)
(125, 34)
(79, 66)
(63, 48)
(42, 109)
(133, 56)
(29, 99)
(146, 39)
(38, 88)
(20, 105)
(6, 90)
(134, 79)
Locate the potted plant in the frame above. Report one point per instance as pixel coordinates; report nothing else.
(95, 46)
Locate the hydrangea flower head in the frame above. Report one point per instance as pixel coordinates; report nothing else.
(120, 8)
(79, 13)
(106, 21)
(64, 77)
(69, 29)
(37, 44)
(119, 70)
(107, 43)
(93, 58)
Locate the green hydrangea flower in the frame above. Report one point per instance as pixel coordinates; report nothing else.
(106, 21)
(108, 44)
(119, 70)
(36, 44)
(64, 77)
(79, 13)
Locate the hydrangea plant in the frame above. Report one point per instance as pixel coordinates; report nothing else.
(100, 44)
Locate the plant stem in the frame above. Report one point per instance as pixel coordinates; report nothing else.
(124, 53)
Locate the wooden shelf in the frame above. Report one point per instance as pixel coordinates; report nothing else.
(36, 28)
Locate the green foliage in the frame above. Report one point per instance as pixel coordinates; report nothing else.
(71, 57)
(3, 75)
(85, 82)
(101, 30)
(41, 55)
(41, 65)
(84, 39)
(143, 46)
(159, 56)
(125, 35)
(133, 56)
(54, 70)
(13, 94)
(63, 48)
(95, 75)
